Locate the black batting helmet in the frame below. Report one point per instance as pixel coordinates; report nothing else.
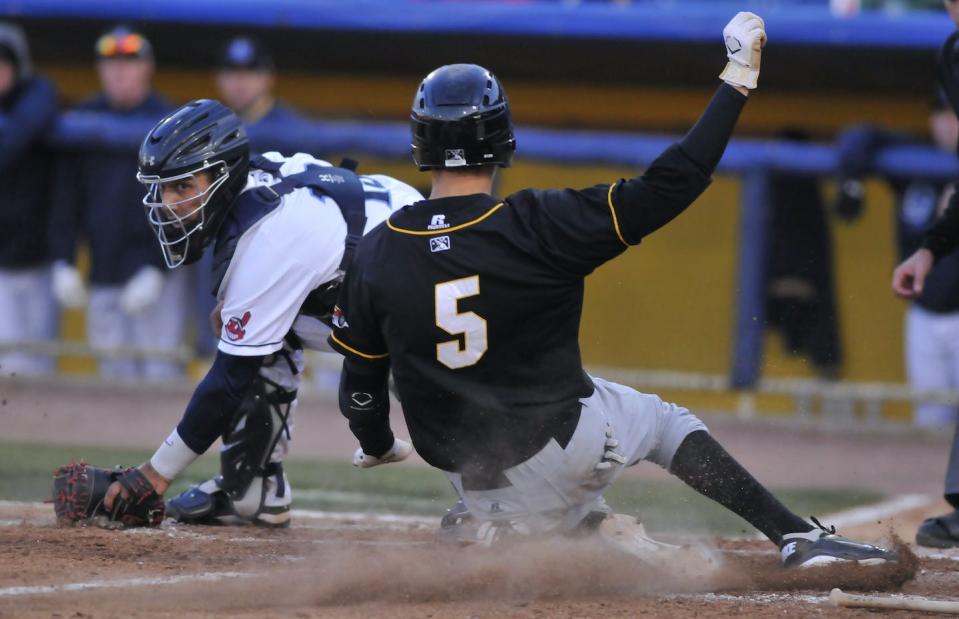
(460, 119)
(203, 135)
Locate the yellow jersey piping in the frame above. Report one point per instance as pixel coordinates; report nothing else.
(612, 209)
(355, 351)
(445, 230)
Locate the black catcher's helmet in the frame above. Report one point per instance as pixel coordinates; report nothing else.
(460, 118)
(203, 135)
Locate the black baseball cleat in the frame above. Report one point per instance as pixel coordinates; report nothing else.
(823, 546)
(457, 525)
(939, 532)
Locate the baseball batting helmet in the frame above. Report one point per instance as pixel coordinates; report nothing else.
(460, 119)
(201, 136)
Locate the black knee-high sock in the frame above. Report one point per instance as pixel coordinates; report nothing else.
(706, 467)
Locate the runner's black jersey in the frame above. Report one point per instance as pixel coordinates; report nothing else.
(475, 304)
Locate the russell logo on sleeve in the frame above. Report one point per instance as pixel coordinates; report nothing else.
(235, 327)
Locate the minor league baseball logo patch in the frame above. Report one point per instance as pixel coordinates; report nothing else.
(440, 243)
(455, 157)
(235, 327)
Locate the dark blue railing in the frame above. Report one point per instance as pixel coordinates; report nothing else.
(683, 21)
(753, 160)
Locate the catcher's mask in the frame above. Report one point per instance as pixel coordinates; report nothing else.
(199, 142)
(460, 119)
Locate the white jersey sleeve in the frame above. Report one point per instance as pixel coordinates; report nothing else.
(287, 254)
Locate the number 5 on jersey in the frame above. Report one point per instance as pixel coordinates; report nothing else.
(455, 354)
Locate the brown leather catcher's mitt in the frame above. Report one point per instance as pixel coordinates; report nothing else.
(78, 491)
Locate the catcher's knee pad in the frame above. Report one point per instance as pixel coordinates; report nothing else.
(260, 421)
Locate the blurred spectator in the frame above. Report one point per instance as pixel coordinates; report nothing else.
(800, 295)
(133, 301)
(245, 76)
(27, 110)
(932, 320)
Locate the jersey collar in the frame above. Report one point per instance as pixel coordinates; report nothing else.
(443, 215)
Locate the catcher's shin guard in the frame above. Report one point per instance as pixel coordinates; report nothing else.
(267, 502)
(259, 423)
(250, 488)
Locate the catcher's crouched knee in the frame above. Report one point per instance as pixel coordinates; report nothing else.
(79, 490)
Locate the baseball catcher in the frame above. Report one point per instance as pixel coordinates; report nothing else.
(79, 491)
(282, 231)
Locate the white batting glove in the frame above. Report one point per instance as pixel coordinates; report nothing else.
(400, 450)
(68, 286)
(745, 36)
(611, 457)
(142, 290)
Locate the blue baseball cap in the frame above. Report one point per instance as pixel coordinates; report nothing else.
(244, 53)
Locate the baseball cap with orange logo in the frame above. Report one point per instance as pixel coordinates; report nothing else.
(121, 42)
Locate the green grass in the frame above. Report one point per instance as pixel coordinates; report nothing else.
(409, 489)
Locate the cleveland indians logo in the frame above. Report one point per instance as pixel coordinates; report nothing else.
(338, 319)
(235, 327)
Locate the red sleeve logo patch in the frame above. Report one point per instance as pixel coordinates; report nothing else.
(235, 327)
(339, 320)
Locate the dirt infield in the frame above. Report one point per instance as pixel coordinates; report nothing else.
(335, 566)
(328, 566)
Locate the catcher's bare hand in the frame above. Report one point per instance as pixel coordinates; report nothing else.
(910, 276)
(116, 489)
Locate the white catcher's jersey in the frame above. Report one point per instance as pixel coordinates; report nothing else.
(285, 255)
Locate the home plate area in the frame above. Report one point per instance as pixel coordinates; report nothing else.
(355, 565)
